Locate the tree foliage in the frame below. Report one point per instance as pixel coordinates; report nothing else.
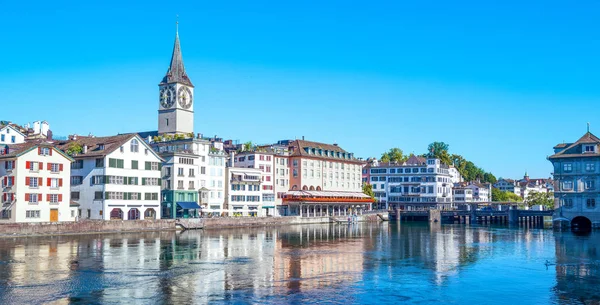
(394, 155)
(543, 199)
(467, 169)
(368, 190)
(247, 146)
(498, 195)
(74, 148)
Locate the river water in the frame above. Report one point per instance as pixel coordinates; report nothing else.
(361, 263)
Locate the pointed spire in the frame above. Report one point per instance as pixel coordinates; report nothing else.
(176, 72)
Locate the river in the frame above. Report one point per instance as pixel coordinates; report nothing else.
(364, 263)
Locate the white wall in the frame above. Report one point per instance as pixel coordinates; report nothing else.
(7, 133)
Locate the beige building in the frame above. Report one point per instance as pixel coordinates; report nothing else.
(35, 183)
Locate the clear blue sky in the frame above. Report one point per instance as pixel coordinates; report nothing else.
(501, 83)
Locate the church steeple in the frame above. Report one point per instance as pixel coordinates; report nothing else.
(176, 72)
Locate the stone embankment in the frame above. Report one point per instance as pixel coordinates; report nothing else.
(115, 226)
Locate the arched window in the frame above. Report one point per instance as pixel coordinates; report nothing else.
(150, 214)
(304, 188)
(116, 214)
(133, 214)
(312, 188)
(135, 146)
(295, 187)
(318, 188)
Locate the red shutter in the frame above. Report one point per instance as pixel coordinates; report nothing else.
(26, 197)
(39, 150)
(60, 182)
(12, 197)
(40, 181)
(48, 182)
(51, 151)
(28, 165)
(27, 181)
(5, 183)
(59, 197)
(4, 197)
(60, 167)
(13, 165)
(39, 197)
(49, 166)
(41, 166)
(48, 197)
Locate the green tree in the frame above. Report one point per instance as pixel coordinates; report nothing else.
(439, 150)
(543, 199)
(394, 155)
(368, 190)
(247, 146)
(74, 148)
(498, 195)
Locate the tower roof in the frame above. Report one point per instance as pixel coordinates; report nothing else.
(176, 72)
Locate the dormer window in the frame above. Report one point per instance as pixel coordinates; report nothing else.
(100, 146)
(589, 148)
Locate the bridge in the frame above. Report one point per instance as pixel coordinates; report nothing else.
(512, 216)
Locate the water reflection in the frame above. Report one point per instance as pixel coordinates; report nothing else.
(358, 263)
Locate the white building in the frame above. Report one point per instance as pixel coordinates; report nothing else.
(35, 183)
(115, 177)
(282, 182)
(418, 183)
(462, 194)
(10, 134)
(265, 162)
(243, 192)
(216, 182)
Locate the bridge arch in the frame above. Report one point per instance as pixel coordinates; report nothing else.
(581, 223)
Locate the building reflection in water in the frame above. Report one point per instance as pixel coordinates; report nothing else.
(577, 268)
(268, 264)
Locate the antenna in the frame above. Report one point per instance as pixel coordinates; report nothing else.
(588, 127)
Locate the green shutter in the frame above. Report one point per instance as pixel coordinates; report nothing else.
(143, 181)
(139, 196)
(148, 165)
(112, 162)
(160, 166)
(159, 181)
(120, 163)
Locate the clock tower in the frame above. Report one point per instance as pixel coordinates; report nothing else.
(176, 97)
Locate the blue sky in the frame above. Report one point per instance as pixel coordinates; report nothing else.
(501, 82)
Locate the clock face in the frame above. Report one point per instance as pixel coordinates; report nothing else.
(167, 97)
(184, 96)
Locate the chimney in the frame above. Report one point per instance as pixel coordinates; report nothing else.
(85, 149)
(232, 159)
(302, 138)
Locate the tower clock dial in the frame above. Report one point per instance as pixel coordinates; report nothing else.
(184, 96)
(167, 97)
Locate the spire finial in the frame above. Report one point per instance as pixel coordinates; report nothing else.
(588, 127)
(177, 24)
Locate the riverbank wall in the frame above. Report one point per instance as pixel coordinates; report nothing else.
(117, 226)
(85, 227)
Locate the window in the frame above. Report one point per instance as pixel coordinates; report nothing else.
(567, 185)
(295, 172)
(34, 166)
(33, 198)
(202, 170)
(590, 203)
(180, 172)
(44, 151)
(295, 163)
(100, 162)
(32, 214)
(53, 198)
(13, 139)
(134, 164)
(98, 196)
(135, 146)
(78, 164)
(2, 138)
(590, 167)
(152, 166)
(568, 203)
(54, 167)
(115, 163)
(180, 184)
(191, 172)
(589, 148)
(33, 182)
(590, 184)
(54, 183)
(76, 180)
(567, 167)
(75, 195)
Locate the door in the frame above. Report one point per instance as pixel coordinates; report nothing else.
(53, 215)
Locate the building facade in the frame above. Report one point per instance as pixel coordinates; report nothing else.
(10, 134)
(243, 192)
(418, 183)
(577, 174)
(35, 183)
(115, 177)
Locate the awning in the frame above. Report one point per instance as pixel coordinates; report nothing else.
(268, 207)
(188, 205)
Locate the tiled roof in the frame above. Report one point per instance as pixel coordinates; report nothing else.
(176, 72)
(299, 146)
(94, 144)
(415, 160)
(575, 150)
(15, 149)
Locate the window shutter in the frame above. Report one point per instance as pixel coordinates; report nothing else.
(6, 164)
(39, 150)
(51, 149)
(26, 197)
(139, 196)
(41, 166)
(60, 182)
(28, 165)
(5, 183)
(4, 197)
(27, 181)
(48, 182)
(48, 197)
(40, 181)
(39, 197)
(13, 163)
(59, 197)
(143, 181)
(60, 167)
(49, 166)
(159, 181)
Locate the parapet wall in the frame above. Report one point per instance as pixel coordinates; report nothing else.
(86, 226)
